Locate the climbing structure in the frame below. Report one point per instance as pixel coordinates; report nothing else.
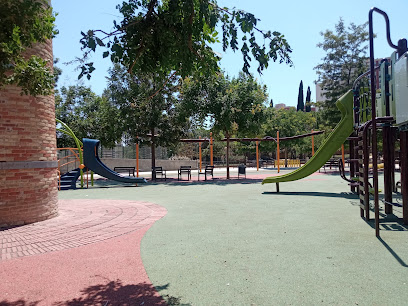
(381, 107)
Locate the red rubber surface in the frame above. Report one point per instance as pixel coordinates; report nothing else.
(89, 255)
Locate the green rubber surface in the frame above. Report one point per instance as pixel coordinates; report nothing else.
(331, 144)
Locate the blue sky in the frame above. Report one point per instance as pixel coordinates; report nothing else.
(300, 22)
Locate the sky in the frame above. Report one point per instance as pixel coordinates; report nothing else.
(300, 21)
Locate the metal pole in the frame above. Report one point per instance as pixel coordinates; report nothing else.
(312, 144)
(211, 150)
(257, 156)
(404, 174)
(137, 159)
(277, 150)
(374, 125)
(199, 150)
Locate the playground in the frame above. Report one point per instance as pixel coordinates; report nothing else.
(296, 234)
(220, 242)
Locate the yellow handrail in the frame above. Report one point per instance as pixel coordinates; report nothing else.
(74, 154)
(59, 181)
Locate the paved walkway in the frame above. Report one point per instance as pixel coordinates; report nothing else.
(79, 223)
(88, 255)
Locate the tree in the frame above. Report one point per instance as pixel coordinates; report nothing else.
(233, 107)
(24, 23)
(288, 122)
(344, 61)
(57, 72)
(300, 104)
(174, 38)
(87, 114)
(308, 106)
(144, 116)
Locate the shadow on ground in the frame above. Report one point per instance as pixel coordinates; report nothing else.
(393, 253)
(103, 183)
(345, 195)
(115, 293)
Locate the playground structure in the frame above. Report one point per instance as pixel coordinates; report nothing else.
(277, 140)
(389, 114)
(93, 162)
(365, 110)
(86, 154)
(85, 158)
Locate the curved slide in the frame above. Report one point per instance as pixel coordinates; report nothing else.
(92, 162)
(331, 144)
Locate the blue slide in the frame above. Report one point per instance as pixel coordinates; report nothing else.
(92, 162)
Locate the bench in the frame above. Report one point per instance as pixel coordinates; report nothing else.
(209, 170)
(184, 169)
(159, 170)
(131, 170)
(331, 163)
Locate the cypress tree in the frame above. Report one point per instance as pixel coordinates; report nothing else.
(308, 107)
(300, 104)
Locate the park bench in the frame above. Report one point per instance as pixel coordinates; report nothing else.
(131, 170)
(209, 170)
(159, 171)
(332, 162)
(184, 169)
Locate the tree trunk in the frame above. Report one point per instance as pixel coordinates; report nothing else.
(153, 149)
(286, 157)
(228, 142)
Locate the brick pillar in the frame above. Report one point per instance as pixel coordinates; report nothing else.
(28, 159)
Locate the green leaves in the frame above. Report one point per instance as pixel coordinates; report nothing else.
(145, 103)
(22, 24)
(165, 36)
(33, 76)
(235, 106)
(86, 69)
(344, 60)
(289, 122)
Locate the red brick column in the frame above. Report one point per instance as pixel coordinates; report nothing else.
(28, 159)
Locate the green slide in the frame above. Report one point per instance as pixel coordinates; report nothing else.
(330, 145)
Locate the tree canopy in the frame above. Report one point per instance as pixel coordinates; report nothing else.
(145, 116)
(175, 36)
(88, 114)
(232, 107)
(289, 122)
(24, 23)
(345, 59)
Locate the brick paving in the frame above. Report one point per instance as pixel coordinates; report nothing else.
(80, 222)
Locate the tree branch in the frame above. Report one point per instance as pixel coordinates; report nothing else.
(139, 53)
(161, 88)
